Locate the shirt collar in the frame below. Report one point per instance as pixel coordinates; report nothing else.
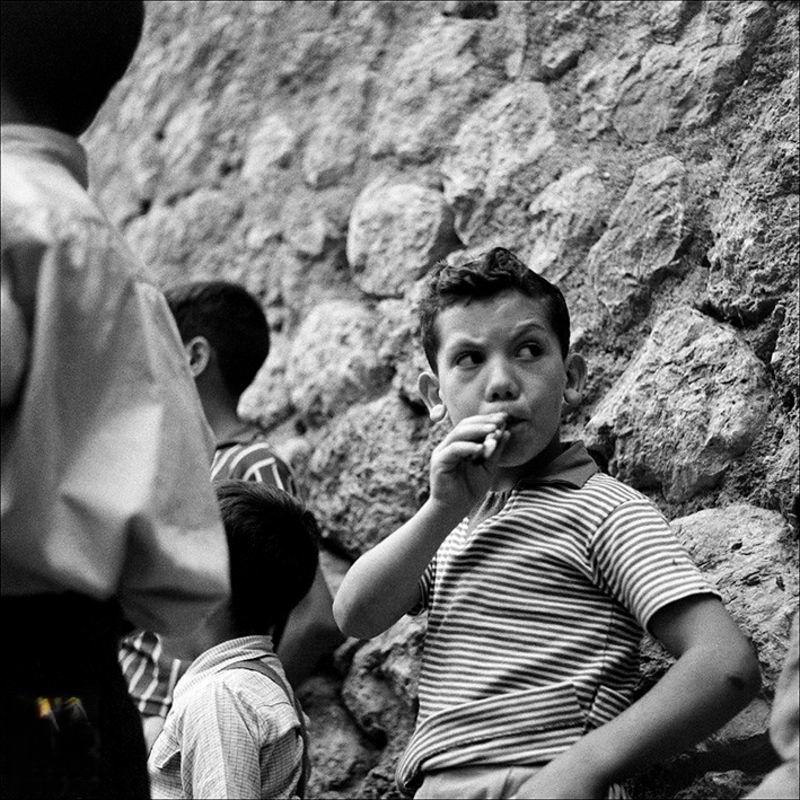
(574, 466)
(243, 436)
(49, 144)
(245, 648)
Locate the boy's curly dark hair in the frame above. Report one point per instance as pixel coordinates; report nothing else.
(231, 319)
(61, 59)
(491, 273)
(273, 549)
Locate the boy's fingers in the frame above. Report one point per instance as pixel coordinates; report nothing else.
(456, 452)
(473, 429)
(500, 442)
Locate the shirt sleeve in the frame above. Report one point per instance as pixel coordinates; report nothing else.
(636, 556)
(239, 739)
(220, 747)
(257, 462)
(425, 587)
(150, 673)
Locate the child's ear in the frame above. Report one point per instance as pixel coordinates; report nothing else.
(575, 366)
(428, 387)
(198, 351)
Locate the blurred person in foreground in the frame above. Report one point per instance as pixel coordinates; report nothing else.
(108, 518)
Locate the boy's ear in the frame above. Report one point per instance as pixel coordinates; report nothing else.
(575, 366)
(428, 387)
(198, 351)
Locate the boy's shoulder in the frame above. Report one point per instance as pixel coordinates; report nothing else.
(44, 183)
(599, 494)
(249, 456)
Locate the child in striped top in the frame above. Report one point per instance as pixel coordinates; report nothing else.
(538, 572)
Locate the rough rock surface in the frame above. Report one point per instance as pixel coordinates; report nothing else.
(663, 87)
(692, 400)
(642, 154)
(333, 358)
(567, 218)
(506, 134)
(396, 232)
(642, 242)
(367, 476)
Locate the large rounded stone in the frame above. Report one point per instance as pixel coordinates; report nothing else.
(334, 146)
(396, 232)
(369, 473)
(381, 686)
(751, 556)
(192, 239)
(642, 242)
(428, 88)
(334, 360)
(506, 134)
(341, 755)
(271, 144)
(753, 260)
(648, 91)
(567, 218)
(692, 401)
(267, 400)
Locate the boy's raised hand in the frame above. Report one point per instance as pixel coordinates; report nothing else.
(460, 471)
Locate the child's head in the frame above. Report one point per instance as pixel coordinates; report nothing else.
(497, 338)
(222, 326)
(60, 60)
(272, 542)
(495, 271)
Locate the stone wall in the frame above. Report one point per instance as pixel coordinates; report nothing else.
(644, 155)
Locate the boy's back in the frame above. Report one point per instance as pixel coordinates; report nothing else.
(231, 731)
(107, 412)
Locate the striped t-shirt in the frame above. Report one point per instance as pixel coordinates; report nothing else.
(535, 614)
(249, 457)
(151, 674)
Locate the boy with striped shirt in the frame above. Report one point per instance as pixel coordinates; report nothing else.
(538, 573)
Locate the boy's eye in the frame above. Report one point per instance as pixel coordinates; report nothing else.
(467, 359)
(530, 350)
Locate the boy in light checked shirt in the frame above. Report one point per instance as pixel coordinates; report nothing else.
(538, 572)
(235, 728)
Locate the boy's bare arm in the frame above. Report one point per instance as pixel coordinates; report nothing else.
(384, 583)
(716, 674)
(310, 633)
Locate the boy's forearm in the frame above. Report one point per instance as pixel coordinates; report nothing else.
(704, 689)
(382, 585)
(310, 633)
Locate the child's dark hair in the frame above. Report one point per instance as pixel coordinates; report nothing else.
(490, 274)
(272, 542)
(60, 60)
(233, 322)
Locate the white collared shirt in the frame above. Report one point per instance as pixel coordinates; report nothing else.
(105, 455)
(231, 733)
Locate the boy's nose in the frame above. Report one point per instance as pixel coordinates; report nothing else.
(501, 384)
